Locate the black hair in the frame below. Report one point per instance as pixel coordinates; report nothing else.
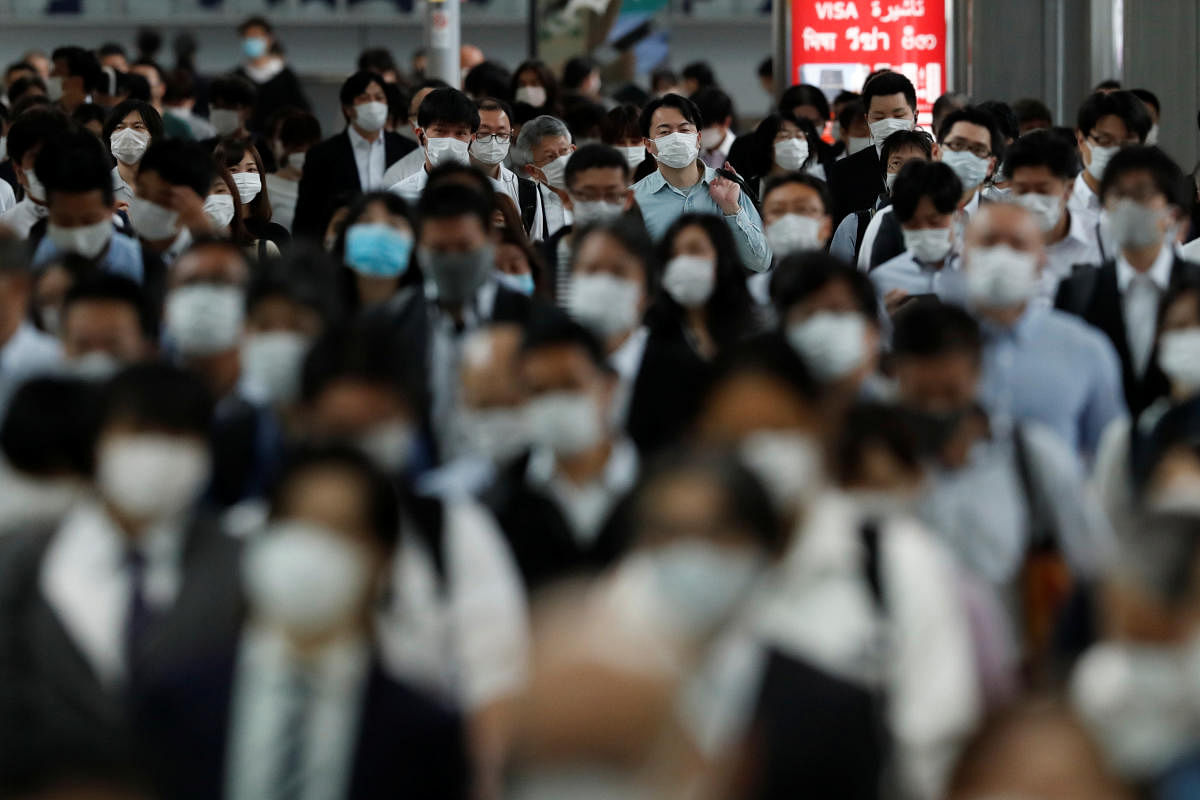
(801, 275)
(366, 350)
(887, 83)
(851, 112)
(678, 102)
(111, 49)
(19, 66)
(1006, 119)
(816, 184)
(701, 73)
(1124, 105)
(148, 41)
(378, 60)
(254, 22)
(973, 115)
(488, 79)
(395, 205)
(180, 163)
(549, 327)
(397, 102)
(630, 234)
(89, 112)
(1148, 97)
(50, 427)
(20, 88)
(595, 156)
(932, 330)
(382, 504)
(729, 312)
(767, 354)
(715, 106)
(1042, 148)
(228, 153)
(766, 67)
(447, 106)
(1167, 176)
(621, 123)
(298, 129)
(80, 63)
(159, 396)
(947, 102)
(931, 179)
(494, 104)
(75, 162)
(152, 64)
(545, 77)
(179, 85)
(901, 139)
(33, 128)
(584, 117)
(132, 86)
(99, 286)
(451, 199)
(1107, 85)
(576, 70)
(1030, 109)
(356, 84)
(232, 90)
(306, 275)
(804, 94)
(762, 158)
(864, 427)
(663, 75)
(150, 117)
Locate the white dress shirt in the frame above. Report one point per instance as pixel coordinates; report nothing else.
(1140, 296)
(27, 354)
(284, 193)
(122, 191)
(411, 163)
(85, 580)
(1083, 198)
(261, 712)
(370, 158)
(23, 216)
(1079, 246)
(872, 231)
(586, 506)
(411, 187)
(8, 197)
(557, 216)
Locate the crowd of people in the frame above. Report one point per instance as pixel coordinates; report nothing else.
(548, 439)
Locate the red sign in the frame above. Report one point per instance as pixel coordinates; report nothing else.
(836, 44)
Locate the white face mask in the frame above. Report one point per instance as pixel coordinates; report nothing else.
(858, 144)
(889, 181)
(1152, 136)
(700, 585)
(1046, 208)
(296, 161)
(1133, 225)
(151, 221)
(793, 233)
(929, 245)
(533, 95)
(689, 280)
(389, 445)
(371, 117)
(272, 362)
(1100, 158)
(677, 150)
(832, 344)
(711, 138)
(556, 172)
(54, 88)
(204, 319)
(970, 168)
(249, 185)
(790, 154)
(498, 434)
(150, 476)
(128, 146)
(219, 210)
(590, 212)
(884, 128)
(1179, 357)
(98, 365)
(88, 241)
(788, 465)
(634, 156)
(305, 578)
(490, 152)
(224, 120)
(1000, 277)
(566, 423)
(447, 150)
(604, 304)
(34, 187)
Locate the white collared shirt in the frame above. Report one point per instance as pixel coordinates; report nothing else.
(1079, 246)
(410, 164)
(586, 506)
(85, 580)
(1140, 296)
(284, 193)
(872, 231)
(1083, 198)
(627, 361)
(27, 354)
(262, 710)
(370, 158)
(122, 191)
(509, 185)
(23, 216)
(8, 197)
(411, 187)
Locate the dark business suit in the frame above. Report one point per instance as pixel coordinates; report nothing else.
(855, 181)
(49, 691)
(330, 180)
(1092, 293)
(666, 392)
(407, 745)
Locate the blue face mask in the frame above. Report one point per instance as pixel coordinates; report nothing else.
(378, 250)
(517, 283)
(254, 47)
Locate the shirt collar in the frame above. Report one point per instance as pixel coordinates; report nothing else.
(479, 310)
(1082, 227)
(1021, 331)
(91, 536)
(655, 181)
(619, 473)
(1159, 272)
(339, 664)
(358, 142)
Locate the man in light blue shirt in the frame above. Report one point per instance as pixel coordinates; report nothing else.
(684, 185)
(1039, 364)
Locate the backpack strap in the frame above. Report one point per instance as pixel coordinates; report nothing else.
(527, 194)
(872, 568)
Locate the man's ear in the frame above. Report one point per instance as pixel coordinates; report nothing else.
(628, 199)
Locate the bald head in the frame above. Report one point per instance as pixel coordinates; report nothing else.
(1008, 224)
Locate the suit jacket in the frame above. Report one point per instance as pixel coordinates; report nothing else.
(407, 745)
(330, 180)
(1093, 294)
(666, 392)
(855, 182)
(50, 696)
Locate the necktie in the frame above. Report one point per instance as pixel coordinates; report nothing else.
(292, 778)
(138, 615)
(1142, 305)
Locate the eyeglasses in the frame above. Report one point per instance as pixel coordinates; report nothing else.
(961, 145)
(494, 138)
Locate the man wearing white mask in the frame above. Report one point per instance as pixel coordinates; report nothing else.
(1039, 364)
(26, 136)
(717, 137)
(545, 143)
(1107, 122)
(448, 122)
(415, 160)
(488, 152)
(131, 585)
(167, 212)
(350, 163)
(682, 183)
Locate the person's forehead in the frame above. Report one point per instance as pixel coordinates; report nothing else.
(1034, 172)
(99, 311)
(888, 102)
(558, 361)
(969, 130)
(604, 175)
(494, 118)
(1004, 218)
(1136, 179)
(1111, 123)
(667, 115)
(209, 261)
(792, 192)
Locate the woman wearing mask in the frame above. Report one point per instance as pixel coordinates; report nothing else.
(298, 131)
(246, 167)
(784, 143)
(376, 246)
(130, 129)
(518, 265)
(620, 129)
(535, 85)
(224, 210)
